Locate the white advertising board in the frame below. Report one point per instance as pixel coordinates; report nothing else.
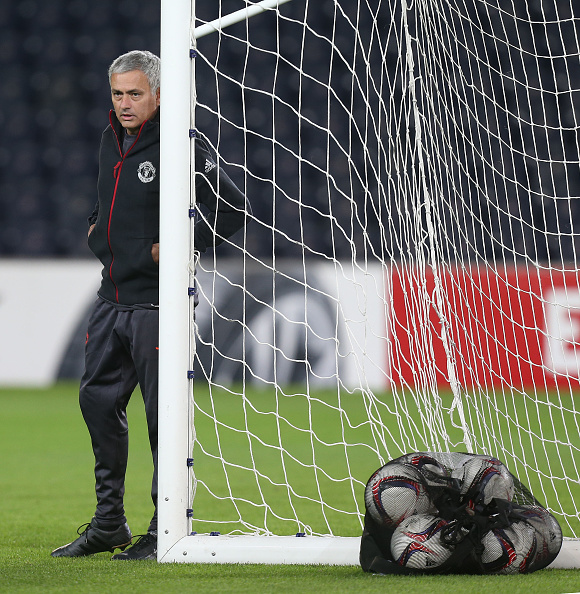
(44, 306)
(41, 303)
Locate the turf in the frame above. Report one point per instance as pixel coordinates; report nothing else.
(47, 492)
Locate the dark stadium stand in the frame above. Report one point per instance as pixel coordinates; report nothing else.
(54, 102)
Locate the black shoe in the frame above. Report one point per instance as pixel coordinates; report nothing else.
(95, 540)
(145, 549)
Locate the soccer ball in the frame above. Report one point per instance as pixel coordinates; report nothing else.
(416, 542)
(509, 550)
(395, 492)
(434, 473)
(548, 534)
(485, 478)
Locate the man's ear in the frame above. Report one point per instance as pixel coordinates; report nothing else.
(157, 96)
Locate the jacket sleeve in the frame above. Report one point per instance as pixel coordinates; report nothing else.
(94, 215)
(225, 204)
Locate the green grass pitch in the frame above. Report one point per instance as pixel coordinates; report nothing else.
(46, 488)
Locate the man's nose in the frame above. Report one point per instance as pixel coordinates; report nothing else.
(125, 102)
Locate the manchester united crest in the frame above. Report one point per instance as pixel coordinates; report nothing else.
(146, 172)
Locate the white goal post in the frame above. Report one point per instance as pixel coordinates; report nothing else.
(407, 280)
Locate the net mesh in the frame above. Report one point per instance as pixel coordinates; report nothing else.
(407, 280)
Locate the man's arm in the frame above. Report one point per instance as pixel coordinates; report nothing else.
(155, 253)
(93, 218)
(226, 204)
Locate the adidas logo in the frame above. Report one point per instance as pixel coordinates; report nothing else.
(209, 165)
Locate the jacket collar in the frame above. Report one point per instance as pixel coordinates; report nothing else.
(119, 130)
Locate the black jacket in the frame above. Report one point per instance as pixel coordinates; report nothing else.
(126, 216)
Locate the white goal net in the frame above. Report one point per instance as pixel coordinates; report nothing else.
(407, 279)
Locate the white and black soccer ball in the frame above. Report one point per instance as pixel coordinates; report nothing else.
(434, 473)
(548, 534)
(416, 543)
(509, 550)
(486, 478)
(395, 492)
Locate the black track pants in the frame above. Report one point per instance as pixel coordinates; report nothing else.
(121, 352)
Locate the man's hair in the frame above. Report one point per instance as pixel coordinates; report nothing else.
(142, 60)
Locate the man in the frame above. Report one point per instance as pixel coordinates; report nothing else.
(122, 339)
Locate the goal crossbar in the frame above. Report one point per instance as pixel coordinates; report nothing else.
(235, 17)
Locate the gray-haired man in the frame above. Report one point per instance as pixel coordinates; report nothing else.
(122, 340)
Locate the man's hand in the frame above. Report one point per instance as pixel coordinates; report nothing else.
(91, 228)
(155, 253)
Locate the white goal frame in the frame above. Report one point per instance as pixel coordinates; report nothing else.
(176, 543)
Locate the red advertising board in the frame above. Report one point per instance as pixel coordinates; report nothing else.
(516, 326)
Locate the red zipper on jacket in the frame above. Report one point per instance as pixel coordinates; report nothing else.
(117, 174)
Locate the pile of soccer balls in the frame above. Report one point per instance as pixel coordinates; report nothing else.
(454, 512)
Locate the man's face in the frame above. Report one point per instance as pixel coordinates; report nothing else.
(133, 100)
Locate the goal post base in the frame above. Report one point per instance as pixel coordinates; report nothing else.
(279, 550)
(299, 550)
(569, 556)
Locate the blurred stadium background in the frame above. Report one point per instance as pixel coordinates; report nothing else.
(54, 102)
(54, 106)
(519, 184)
